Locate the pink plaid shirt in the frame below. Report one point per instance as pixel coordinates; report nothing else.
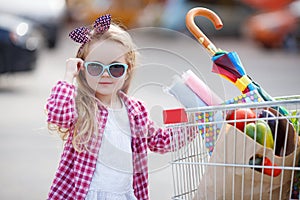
(75, 171)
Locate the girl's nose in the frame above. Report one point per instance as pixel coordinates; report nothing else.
(105, 73)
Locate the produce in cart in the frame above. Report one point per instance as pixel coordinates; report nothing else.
(240, 117)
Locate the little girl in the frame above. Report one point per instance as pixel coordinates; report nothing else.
(107, 133)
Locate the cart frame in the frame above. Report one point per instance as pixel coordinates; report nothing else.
(189, 163)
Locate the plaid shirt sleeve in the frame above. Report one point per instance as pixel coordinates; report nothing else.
(60, 106)
(163, 140)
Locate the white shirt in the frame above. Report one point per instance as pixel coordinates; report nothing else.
(113, 175)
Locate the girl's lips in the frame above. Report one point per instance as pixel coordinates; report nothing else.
(105, 83)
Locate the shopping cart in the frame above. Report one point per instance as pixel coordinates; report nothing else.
(238, 166)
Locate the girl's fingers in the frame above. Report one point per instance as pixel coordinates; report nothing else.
(74, 65)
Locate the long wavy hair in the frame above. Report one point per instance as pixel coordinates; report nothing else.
(86, 129)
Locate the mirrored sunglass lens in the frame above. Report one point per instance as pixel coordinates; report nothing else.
(117, 70)
(94, 69)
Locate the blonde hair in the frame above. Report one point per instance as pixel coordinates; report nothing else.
(86, 128)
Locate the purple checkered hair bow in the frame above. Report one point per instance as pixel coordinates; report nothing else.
(81, 34)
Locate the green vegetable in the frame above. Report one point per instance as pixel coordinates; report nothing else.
(261, 132)
(250, 130)
(295, 121)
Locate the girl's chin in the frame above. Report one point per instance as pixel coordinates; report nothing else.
(104, 92)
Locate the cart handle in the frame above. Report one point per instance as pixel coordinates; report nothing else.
(195, 30)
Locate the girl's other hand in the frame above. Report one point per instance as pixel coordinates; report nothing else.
(73, 66)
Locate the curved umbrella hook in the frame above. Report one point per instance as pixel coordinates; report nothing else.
(194, 29)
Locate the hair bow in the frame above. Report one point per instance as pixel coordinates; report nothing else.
(81, 34)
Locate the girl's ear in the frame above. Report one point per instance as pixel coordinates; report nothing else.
(80, 65)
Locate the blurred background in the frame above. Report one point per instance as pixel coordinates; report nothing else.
(34, 45)
(28, 26)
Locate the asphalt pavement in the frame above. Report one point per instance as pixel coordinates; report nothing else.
(30, 154)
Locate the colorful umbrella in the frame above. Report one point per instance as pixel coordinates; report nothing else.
(228, 65)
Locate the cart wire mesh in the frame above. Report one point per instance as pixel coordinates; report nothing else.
(223, 162)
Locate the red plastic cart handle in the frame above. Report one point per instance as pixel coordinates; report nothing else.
(173, 116)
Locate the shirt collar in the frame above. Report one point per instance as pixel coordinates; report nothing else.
(130, 104)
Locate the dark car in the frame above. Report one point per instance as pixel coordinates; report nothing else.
(50, 15)
(19, 43)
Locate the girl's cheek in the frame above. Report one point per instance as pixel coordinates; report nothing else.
(92, 83)
(120, 83)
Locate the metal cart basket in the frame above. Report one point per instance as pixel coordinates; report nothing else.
(220, 161)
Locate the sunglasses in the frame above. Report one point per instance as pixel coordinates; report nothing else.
(115, 70)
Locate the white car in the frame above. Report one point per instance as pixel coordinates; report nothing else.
(49, 14)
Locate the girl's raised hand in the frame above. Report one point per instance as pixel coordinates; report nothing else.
(73, 66)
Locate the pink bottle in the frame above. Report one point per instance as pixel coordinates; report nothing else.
(201, 89)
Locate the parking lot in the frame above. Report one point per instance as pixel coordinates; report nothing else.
(30, 154)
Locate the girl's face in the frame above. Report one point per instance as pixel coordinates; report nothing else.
(106, 52)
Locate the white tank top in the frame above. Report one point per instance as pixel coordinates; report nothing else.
(113, 176)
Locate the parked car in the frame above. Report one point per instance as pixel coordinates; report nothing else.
(277, 28)
(19, 44)
(49, 14)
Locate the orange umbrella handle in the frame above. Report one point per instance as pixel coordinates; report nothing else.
(194, 29)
